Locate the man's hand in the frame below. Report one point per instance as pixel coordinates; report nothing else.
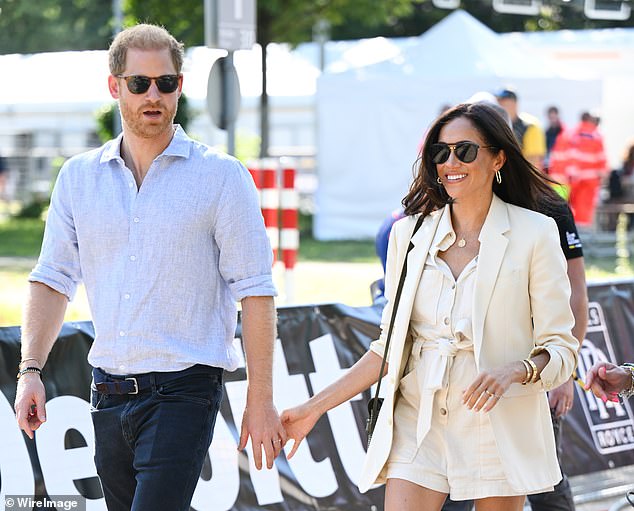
(606, 380)
(562, 398)
(262, 424)
(30, 403)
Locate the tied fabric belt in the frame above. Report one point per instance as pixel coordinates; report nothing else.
(432, 373)
(105, 383)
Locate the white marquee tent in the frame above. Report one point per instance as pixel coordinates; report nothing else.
(371, 119)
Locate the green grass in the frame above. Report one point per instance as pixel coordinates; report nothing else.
(21, 237)
(350, 251)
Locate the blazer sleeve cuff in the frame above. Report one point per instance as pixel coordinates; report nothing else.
(550, 377)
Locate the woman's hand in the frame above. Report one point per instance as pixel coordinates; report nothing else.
(561, 399)
(298, 422)
(606, 380)
(489, 386)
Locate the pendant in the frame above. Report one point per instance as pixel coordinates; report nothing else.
(462, 242)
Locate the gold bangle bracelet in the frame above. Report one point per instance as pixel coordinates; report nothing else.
(534, 367)
(529, 372)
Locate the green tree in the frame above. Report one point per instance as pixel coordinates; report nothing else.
(289, 21)
(54, 25)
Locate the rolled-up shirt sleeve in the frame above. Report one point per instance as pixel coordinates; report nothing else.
(550, 304)
(392, 274)
(246, 258)
(58, 264)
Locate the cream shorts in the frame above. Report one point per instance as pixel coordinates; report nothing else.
(458, 455)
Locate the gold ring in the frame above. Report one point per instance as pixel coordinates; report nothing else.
(491, 394)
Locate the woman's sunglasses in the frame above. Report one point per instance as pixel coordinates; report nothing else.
(139, 84)
(466, 152)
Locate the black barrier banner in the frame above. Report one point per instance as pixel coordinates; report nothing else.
(315, 345)
(598, 435)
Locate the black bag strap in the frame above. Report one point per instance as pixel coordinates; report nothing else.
(397, 299)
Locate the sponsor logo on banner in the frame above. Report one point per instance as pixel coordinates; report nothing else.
(611, 424)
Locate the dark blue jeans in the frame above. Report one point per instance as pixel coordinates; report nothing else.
(560, 499)
(150, 447)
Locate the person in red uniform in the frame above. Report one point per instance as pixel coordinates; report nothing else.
(579, 159)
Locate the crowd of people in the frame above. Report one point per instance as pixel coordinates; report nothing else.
(481, 330)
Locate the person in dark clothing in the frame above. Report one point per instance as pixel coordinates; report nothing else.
(555, 127)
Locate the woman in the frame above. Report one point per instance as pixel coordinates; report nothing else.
(483, 329)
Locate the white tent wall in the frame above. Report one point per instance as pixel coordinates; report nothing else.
(617, 116)
(369, 133)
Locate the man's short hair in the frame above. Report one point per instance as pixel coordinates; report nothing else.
(506, 94)
(143, 37)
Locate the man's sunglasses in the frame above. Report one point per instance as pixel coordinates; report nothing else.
(466, 152)
(139, 84)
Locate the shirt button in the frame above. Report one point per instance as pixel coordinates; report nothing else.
(127, 296)
(443, 411)
(136, 219)
(121, 333)
(453, 286)
(446, 321)
(132, 258)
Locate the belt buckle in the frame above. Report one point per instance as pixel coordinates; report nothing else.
(136, 385)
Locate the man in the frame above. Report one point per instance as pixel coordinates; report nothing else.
(555, 127)
(166, 235)
(526, 128)
(579, 156)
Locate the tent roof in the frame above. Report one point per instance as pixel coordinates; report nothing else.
(460, 46)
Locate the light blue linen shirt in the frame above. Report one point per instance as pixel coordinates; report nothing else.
(164, 264)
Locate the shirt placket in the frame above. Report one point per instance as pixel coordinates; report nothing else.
(447, 302)
(131, 269)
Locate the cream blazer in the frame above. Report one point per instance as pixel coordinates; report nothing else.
(521, 306)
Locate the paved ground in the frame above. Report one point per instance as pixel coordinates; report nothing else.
(602, 491)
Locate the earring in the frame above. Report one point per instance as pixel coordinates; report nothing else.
(498, 177)
(438, 180)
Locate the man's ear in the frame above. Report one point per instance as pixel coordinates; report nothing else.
(113, 86)
(180, 85)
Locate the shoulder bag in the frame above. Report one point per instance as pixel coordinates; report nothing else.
(374, 405)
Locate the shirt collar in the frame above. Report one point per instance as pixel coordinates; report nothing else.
(445, 235)
(179, 146)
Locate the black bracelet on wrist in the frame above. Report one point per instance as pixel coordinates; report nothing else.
(25, 370)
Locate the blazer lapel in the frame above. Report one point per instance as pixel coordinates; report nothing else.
(493, 245)
(416, 261)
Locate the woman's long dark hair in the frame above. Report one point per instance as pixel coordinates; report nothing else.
(522, 184)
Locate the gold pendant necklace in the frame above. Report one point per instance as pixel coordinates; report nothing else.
(462, 243)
